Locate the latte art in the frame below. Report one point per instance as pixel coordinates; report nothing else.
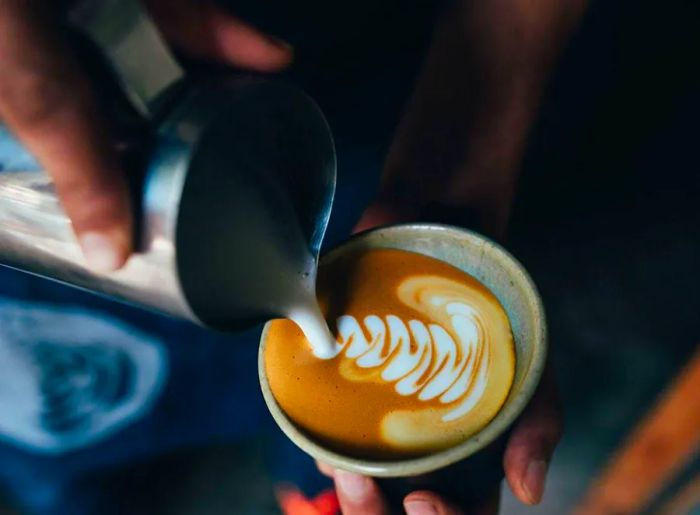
(423, 357)
(448, 362)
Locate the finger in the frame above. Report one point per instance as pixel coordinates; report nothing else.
(428, 503)
(47, 102)
(382, 213)
(358, 495)
(325, 469)
(206, 30)
(532, 443)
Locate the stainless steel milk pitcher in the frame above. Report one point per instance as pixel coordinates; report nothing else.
(236, 177)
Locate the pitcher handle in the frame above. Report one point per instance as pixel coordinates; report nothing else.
(133, 46)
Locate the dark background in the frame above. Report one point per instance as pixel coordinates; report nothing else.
(606, 221)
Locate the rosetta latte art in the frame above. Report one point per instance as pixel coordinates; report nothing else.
(423, 357)
(447, 359)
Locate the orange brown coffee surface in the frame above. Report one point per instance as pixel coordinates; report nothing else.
(424, 357)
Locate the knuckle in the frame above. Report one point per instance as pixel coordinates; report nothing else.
(550, 427)
(557, 431)
(548, 430)
(92, 195)
(101, 213)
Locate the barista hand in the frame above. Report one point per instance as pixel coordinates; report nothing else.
(46, 100)
(459, 145)
(528, 452)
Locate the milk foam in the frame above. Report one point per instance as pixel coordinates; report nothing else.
(447, 358)
(310, 320)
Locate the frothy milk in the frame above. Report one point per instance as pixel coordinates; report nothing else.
(296, 300)
(307, 315)
(422, 358)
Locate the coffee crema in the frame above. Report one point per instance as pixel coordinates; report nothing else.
(423, 357)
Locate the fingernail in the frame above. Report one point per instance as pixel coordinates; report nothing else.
(352, 486)
(280, 43)
(533, 483)
(420, 508)
(99, 251)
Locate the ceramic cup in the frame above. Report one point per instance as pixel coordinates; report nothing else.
(509, 282)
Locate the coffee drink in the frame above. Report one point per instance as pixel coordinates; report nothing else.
(423, 357)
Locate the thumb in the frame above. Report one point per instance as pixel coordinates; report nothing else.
(532, 442)
(203, 29)
(382, 213)
(358, 495)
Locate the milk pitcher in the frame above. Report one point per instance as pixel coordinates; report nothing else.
(232, 182)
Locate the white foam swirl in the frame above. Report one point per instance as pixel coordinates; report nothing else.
(447, 358)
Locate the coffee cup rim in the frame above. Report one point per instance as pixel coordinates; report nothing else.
(478, 441)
